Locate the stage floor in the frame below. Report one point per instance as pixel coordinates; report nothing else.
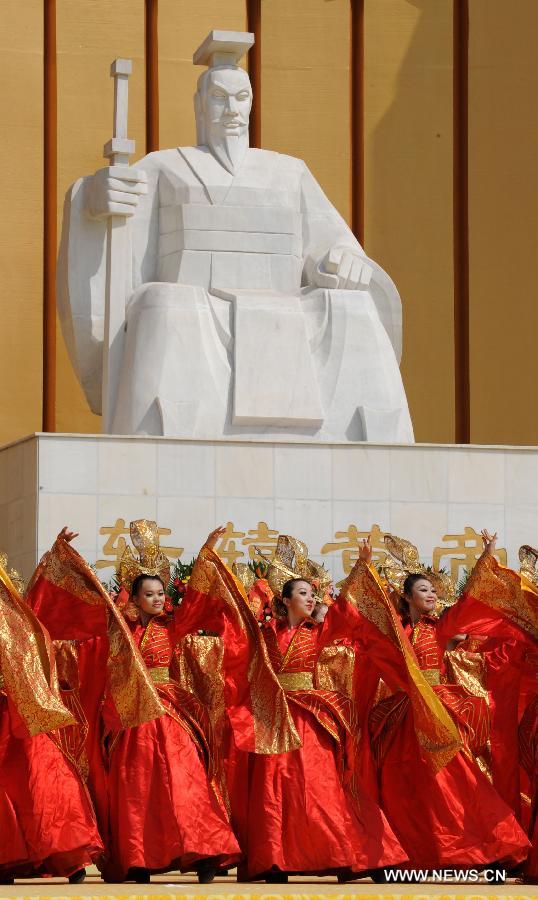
(186, 886)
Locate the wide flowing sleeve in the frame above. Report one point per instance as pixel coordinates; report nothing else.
(497, 602)
(364, 611)
(68, 597)
(255, 702)
(27, 669)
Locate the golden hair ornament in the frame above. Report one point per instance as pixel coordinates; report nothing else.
(404, 560)
(151, 560)
(528, 557)
(291, 561)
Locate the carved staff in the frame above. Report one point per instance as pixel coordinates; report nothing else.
(118, 257)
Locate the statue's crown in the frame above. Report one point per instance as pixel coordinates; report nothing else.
(222, 48)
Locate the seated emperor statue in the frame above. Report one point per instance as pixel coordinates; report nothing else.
(251, 309)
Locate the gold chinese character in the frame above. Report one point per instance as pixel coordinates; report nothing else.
(464, 553)
(349, 542)
(261, 542)
(115, 544)
(226, 548)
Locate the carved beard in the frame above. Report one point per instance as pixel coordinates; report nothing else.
(230, 150)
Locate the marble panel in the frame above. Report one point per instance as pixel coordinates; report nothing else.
(424, 524)
(77, 511)
(419, 475)
(476, 476)
(360, 473)
(68, 466)
(186, 469)
(477, 516)
(127, 507)
(309, 520)
(190, 518)
(127, 467)
(244, 471)
(521, 523)
(521, 473)
(303, 472)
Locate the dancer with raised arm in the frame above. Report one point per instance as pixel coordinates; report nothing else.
(47, 822)
(449, 831)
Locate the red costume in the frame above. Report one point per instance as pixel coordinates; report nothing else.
(164, 809)
(47, 824)
(306, 809)
(432, 813)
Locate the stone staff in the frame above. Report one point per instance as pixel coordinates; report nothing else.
(118, 283)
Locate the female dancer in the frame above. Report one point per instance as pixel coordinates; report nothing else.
(46, 818)
(306, 810)
(165, 807)
(433, 814)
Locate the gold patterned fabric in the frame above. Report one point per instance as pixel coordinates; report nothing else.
(200, 671)
(296, 681)
(128, 683)
(432, 676)
(513, 595)
(335, 669)
(27, 664)
(159, 674)
(435, 730)
(270, 719)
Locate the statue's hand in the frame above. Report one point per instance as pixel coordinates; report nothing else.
(114, 191)
(343, 269)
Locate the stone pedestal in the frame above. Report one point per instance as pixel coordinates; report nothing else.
(327, 495)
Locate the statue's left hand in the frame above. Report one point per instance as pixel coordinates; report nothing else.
(343, 269)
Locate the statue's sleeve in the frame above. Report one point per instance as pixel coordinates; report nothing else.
(81, 274)
(323, 229)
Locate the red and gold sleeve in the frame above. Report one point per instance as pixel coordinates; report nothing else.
(364, 604)
(256, 704)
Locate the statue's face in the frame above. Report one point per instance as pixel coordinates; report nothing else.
(227, 102)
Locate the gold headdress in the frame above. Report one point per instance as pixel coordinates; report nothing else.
(405, 561)
(528, 558)
(291, 561)
(151, 561)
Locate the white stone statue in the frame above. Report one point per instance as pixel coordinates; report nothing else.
(250, 307)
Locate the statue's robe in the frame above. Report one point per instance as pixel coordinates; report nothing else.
(225, 332)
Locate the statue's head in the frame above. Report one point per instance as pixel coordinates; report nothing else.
(224, 97)
(222, 104)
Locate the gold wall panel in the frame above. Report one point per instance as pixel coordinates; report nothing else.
(182, 28)
(408, 191)
(305, 89)
(503, 219)
(89, 37)
(21, 222)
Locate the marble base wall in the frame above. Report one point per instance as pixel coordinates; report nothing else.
(327, 495)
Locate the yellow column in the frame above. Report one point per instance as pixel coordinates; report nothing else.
(503, 227)
(408, 191)
(305, 89)
(21, 222)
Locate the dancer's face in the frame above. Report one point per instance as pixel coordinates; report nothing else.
(301, 603)
(423, 598)
(150, 597)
